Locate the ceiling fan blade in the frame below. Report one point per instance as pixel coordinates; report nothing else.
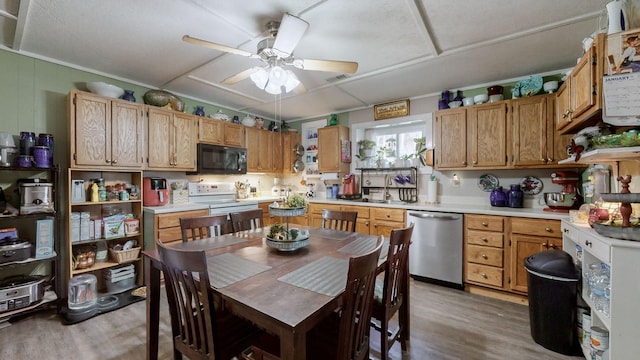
(300, 89)
(239, 76)
(347, 67)
(218, 47)
(289, 34)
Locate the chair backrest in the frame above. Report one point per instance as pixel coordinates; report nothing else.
(246, 220)
(353, 338)
(201, 227)
(339, 220)
(190, 302)
(397, 267)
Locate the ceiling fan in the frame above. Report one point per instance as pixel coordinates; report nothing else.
(275, 51)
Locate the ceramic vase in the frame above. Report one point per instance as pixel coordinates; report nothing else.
(459, 96)
(199, 110)
(128, 95)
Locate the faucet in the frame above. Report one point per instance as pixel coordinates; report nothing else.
(387, 182)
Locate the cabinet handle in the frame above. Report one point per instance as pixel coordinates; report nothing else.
(464, 163)
(114, 161)
(553, 246)
(545, 245)
(566, 114)
(484, 256)
(588, 243)
(485, 239)
(484, 275)
(566, 230)
(485, 224)
(549, 159)
(375, 225)
(475, 162)
(388, 216)
(107, 161)
(548, 229)
(366, 223)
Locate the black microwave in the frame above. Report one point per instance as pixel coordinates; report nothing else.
(223, 160)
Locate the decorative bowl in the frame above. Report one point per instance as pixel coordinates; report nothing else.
(559, 200)
(162, 98)
(481, 99)
(455, 104)
(496, 97)
(495, 90)
(550, 86)
(468, 101)
(105, 89)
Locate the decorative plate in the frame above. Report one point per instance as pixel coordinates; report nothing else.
(531, 185)
(488, 182)
(530, 86)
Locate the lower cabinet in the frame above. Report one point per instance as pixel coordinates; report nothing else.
(496, 246)
(370, 221)
(383, 220)
(166, 227)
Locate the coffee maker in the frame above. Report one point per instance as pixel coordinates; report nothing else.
(349, 184)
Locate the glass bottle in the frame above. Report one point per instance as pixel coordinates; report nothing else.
(47, 140)
(27, 142)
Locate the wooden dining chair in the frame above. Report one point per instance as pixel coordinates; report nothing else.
(199, 331)
(339, 220)
(392, 293)
(246, 220)
(344, 335)
(199, 227)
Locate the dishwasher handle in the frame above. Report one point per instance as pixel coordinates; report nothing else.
(428, 215)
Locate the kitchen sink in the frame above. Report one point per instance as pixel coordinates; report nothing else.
(390, 202)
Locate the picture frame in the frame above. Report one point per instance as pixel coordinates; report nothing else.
(391, 109)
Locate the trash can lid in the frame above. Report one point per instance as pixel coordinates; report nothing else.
(555, 263)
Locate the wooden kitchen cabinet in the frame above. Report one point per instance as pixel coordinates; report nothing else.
(277, 153)
(171, 140)
(330, 147)
(363, 221)
(383, 220)
(105, 132)
(315, 213)
(488, 135)
(451, 139)
(166, 227)
(218, 132)
(484, 250)
(529, 236)
(289, 141)
(579, 99)
(233, 134)
(259, 150)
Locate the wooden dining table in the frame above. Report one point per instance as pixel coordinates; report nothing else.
(286, 293)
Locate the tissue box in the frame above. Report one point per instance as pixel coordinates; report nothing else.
(179, 196)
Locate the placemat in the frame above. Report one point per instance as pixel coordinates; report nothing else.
(226, 269)
(327, 275)
(330, 234)
(211, 243)
(363, 245)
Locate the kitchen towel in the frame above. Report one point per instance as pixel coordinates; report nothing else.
(327, 276)
(226, 269)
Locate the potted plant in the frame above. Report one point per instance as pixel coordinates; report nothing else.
(365, 149)
(421, 148)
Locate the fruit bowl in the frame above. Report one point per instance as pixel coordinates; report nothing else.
(105, 89)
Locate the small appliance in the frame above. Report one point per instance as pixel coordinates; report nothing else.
(36, 196)
(568, 198)
(350, 187)
(221, 160)
(12, 248)
(155, 192)
(20, 291)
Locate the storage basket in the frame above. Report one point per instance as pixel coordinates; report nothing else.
(124, 256)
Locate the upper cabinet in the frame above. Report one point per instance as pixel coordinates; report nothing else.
(171, 143)
(218, 132)
(105, 132)
(579, 99)
(330, 147)
(289, 142)
(261, 152)
(518, 133)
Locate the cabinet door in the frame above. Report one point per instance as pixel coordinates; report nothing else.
(328, 149)
(184, 146)
(159, 154)
(563, 106)
(234, 135)
(91, 131)
(488, 135)
(252, 138)
(265, 152)
(523, 246)
(451, 139)
(210, 131)
(277, 160)
(582, 78)
(529, 131)
(127, 135)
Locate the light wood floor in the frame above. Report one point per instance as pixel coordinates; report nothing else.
(446, 324)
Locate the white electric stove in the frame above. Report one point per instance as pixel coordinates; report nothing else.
(221, 198)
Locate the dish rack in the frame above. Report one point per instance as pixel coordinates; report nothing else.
(407, 190)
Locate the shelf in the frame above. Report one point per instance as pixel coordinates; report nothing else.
(91, 241)
(86, 203)
(100, 266)
(29, 260)
(605, 155)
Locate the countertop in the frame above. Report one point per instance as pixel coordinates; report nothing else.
(537, 213)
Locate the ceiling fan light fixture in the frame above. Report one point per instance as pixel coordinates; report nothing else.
(277, 76)
(292, 81)
(260, 78)
(272, 88)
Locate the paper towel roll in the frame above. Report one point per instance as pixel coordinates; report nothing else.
(432, 192)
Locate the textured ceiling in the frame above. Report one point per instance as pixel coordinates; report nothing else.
(404, 48)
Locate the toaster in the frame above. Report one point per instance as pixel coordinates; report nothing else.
(154, 191)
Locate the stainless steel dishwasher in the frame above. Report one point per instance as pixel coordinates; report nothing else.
(435, 253)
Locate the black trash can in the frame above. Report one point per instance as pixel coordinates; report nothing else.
(552, 284)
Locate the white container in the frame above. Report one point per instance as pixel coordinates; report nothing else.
(599, 338)
(85, 225)
(586, 328)
(75, 227)
(82, 292)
